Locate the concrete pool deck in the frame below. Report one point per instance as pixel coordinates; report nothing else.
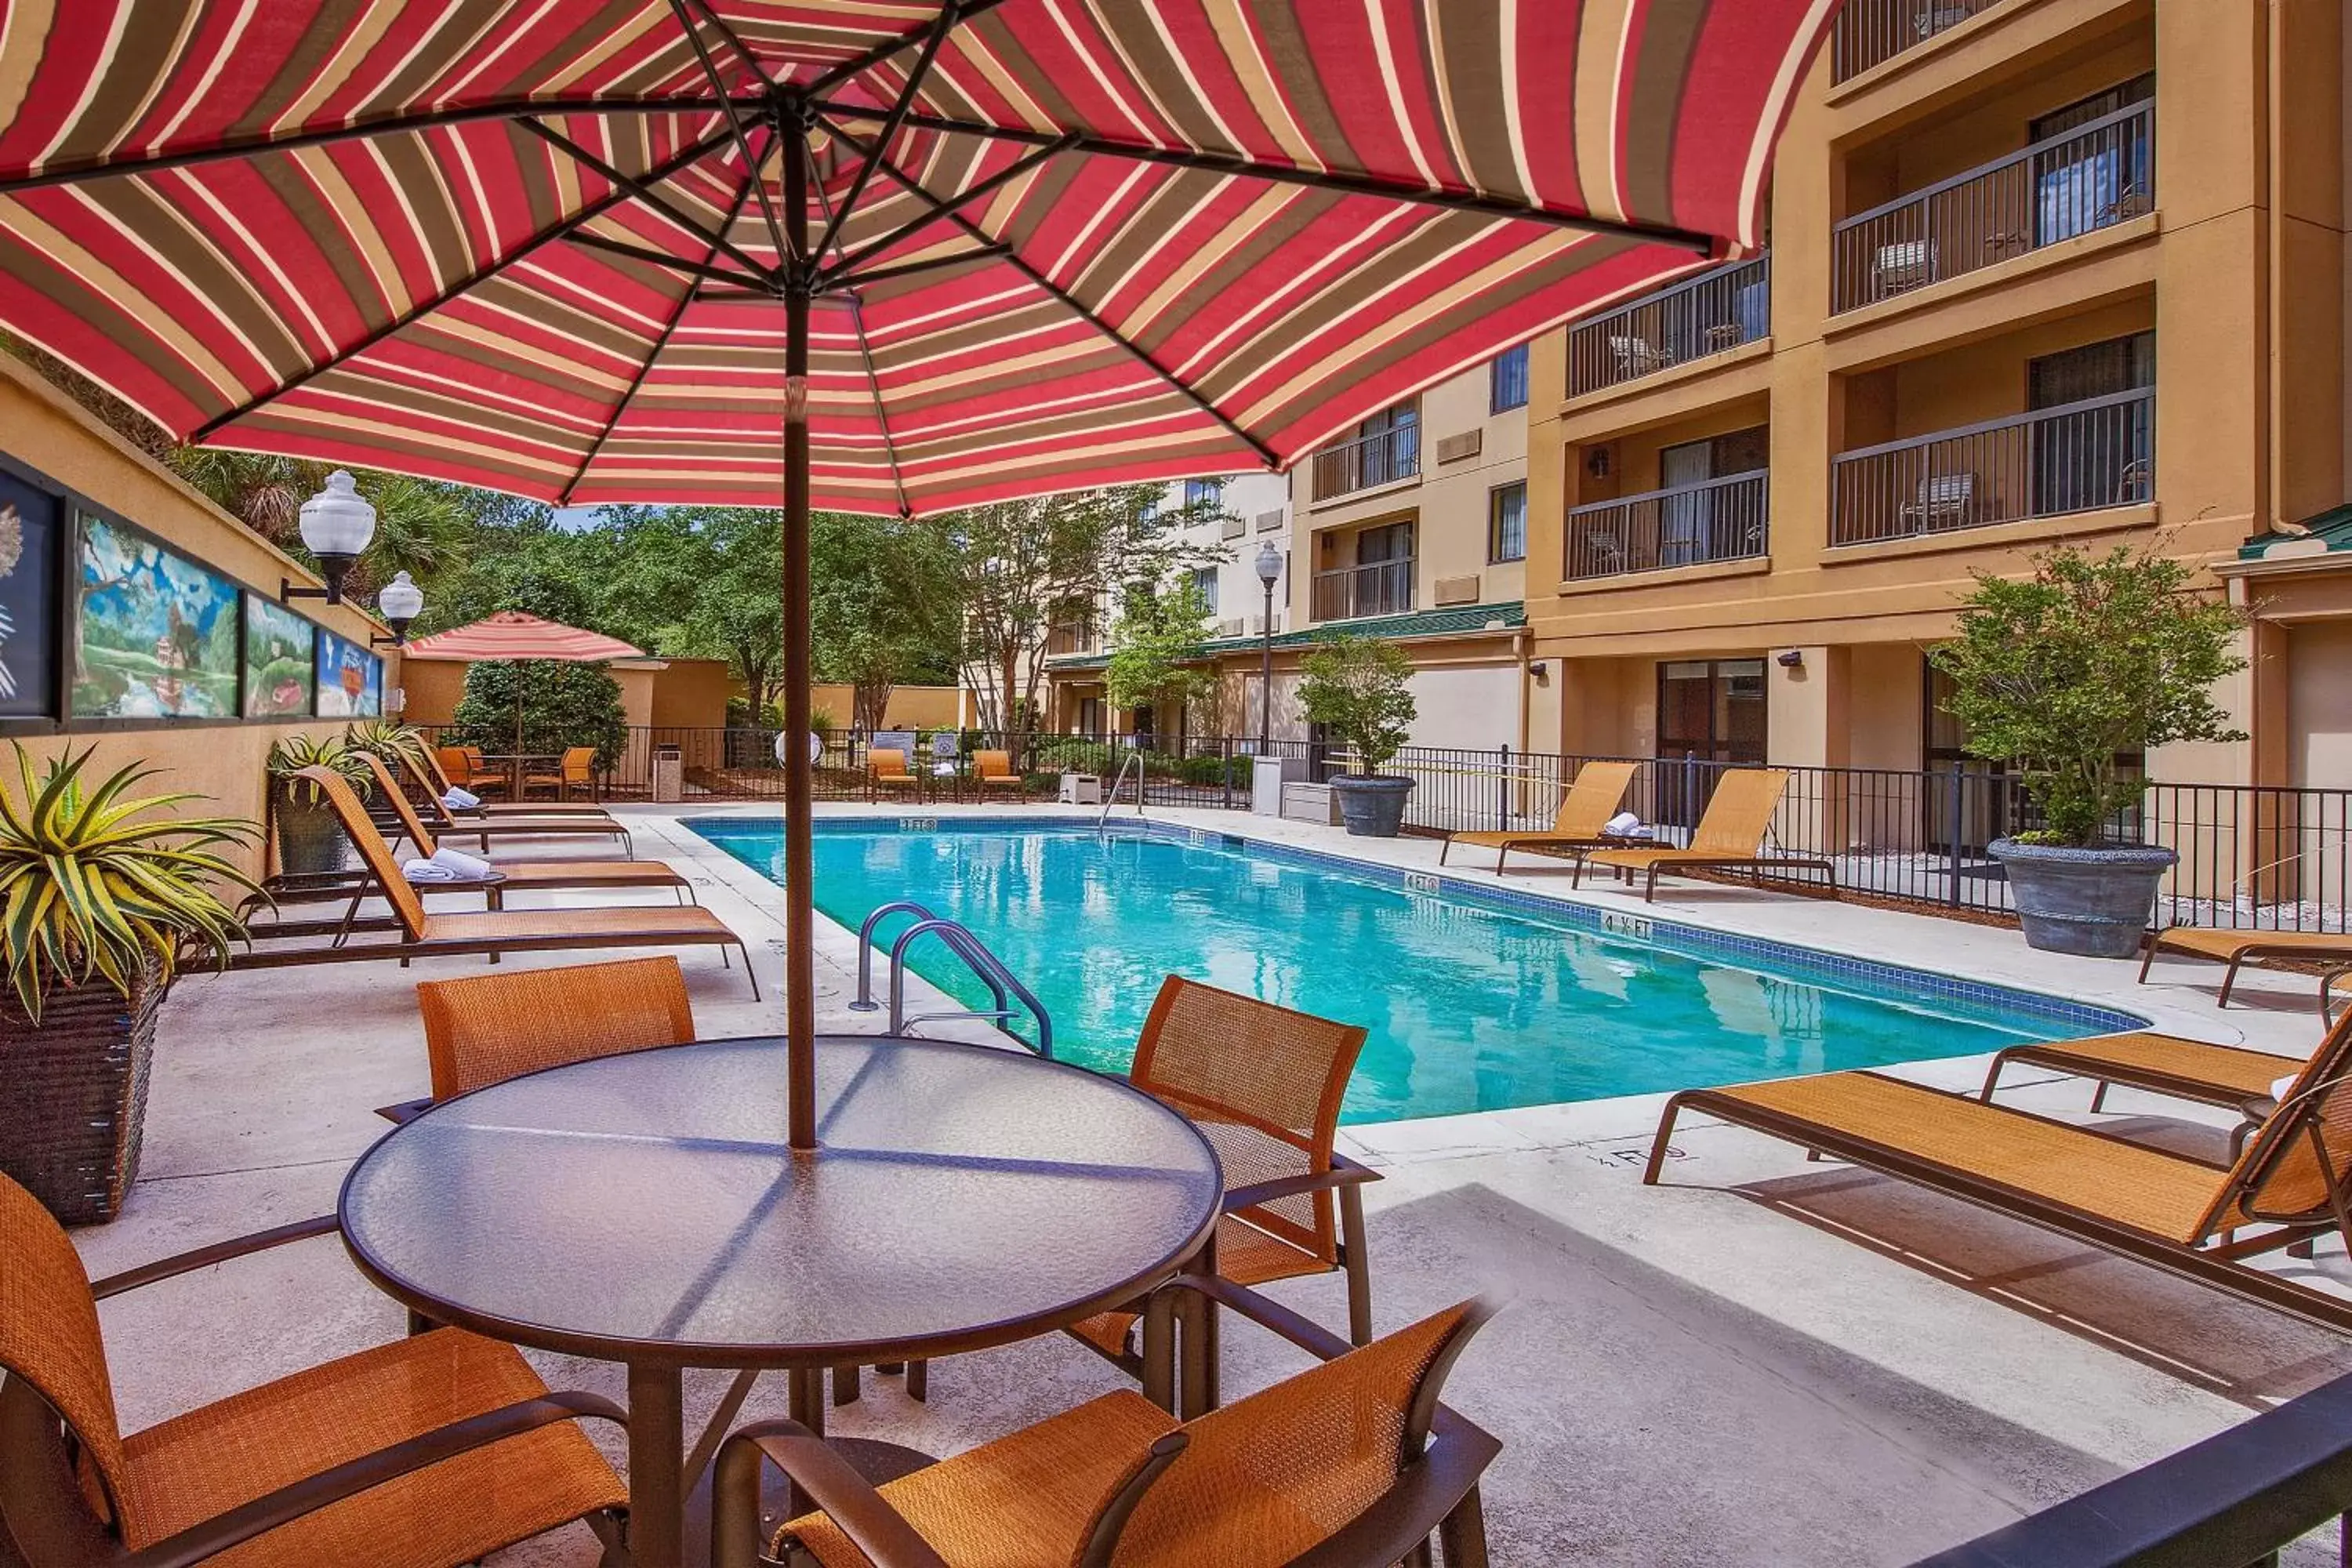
(1762, 1360)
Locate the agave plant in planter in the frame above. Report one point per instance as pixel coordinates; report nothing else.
(309, 837)
(102, 900)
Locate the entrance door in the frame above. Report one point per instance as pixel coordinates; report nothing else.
(2093, 457)
(1709, 711)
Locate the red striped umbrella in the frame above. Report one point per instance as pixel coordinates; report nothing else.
(593, 250)
(510, 633)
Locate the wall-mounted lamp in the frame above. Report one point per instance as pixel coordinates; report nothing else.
(1541, 671)
(1791, 658)
(400, 603)
(1596, 461)
(337, 524)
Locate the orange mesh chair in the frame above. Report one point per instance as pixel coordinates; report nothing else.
(2237, 948)
(2293, 1175)
(578, 767)
(1730, 835)
(423, 935)
(1589, 803)
(456, 769)
(1351, 1464)
(530, 876)
(888, 765)
(436, 770)
(430, 1452)
(994, 772)
(533, 820)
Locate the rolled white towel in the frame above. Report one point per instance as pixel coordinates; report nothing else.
(428, 871)
(1624, 825)
(461, 800)
(461, 866)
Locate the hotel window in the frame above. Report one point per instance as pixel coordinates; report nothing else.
(1205, 583)
(1207, 493)
(1506, 523)
(1507, 380)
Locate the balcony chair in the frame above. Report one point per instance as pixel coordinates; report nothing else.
(1637, 356)
(1350, 1464)
(432, 1451)
(1729, 837)
(1589, 803)
(1899, 268)
(1945, 501)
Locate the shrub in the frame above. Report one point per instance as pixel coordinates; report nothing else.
(562, 705)
(1355, 688)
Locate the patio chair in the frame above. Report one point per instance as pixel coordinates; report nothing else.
(888, 765)
(1350, 1464)
(2292, 1175)
(423, 935)
(1590, 802)
(431, 1451)
(1899, 268)
(2238, 948)
(1945, 501)
(456, 771)
(483, 827)
(1637, 356)
(577, 770)
(1730, 836)
(994, 772)
(2230, 1077)
(443, 767)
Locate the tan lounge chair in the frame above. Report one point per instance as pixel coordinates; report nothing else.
(436, 777)
(423, 935)
(888, 765)
(556, 821)
(2295, 1173)
(2228, 1076)
(1590, 802)
(532, 876)
(1730, 834)
(2241, 947)
(994, 772)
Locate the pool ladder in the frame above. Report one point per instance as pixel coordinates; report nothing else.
(1004, 986)
(1135, 761)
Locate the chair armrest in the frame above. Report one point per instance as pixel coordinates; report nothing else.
(307, 1496)
(1311, 1337)
(842, 1494)
(218, 1252)
(1344, 1172)
(1427, 1490)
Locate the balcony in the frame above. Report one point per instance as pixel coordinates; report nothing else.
(1381, 588)
(1686, 525)
(2079, 457)
(2097, 175)
(1872, 31)
(1367, 462)
(1066, 640)
(1712, 313)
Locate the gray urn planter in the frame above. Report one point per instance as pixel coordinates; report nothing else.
(311, 837)
(1372, 807)
(2093, 903)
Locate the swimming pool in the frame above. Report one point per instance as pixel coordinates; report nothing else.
(1476, 999)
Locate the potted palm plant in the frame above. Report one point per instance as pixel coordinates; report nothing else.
(1355, 688)
(387, 739)
(310, 840)
(2060, 674)
(104, 899)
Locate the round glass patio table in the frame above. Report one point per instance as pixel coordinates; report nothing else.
(645, 1208)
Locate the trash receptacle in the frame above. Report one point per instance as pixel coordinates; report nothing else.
(669, 774)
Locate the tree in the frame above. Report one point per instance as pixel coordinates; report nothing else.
(2089, 657)
(562, 705)
(1355, 688)
(886, 606)
(1156, 646)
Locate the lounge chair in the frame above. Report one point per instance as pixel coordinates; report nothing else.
(423, 935)
(2230, 1077)
(559, 822)
(1589, 803)
(2241, 947)
(433, 1450)
(1730, 834)
(2295, 1173)
(575, 769)
(1351, 1464)
(994, 772)
(888, 765)
(435, 773)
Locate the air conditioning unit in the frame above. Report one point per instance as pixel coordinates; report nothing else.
(1233, 527)
(1454, 448)
(1230, 629)
(1269, 522)
(1458, 590)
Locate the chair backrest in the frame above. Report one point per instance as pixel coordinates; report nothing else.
(1740, 814)
(1947, 489)
(372, 847)
(885, 763)
(1265, 1479)
(993, 764)
(401, 807)
(1218, 1056)
(452, 763)
(488, 1029)
(2298, 1163)
(49, 1336)
(577, 763)
(1905, 255)
(1593, 799)
(428, 797)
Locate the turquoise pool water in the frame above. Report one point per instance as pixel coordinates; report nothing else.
(1473, 1003)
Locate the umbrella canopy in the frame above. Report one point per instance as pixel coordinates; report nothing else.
(510, 633)
(591, 250)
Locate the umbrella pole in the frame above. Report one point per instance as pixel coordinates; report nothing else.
(799, 975)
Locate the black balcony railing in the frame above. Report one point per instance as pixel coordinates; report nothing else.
(2078, 457)
(1709, 314)
(1382, 459)
(1381, 588)
(1870, 31)
(2097, 175)
(1684, 525)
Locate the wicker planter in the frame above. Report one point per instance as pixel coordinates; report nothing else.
(310, 841)
(77, 1095)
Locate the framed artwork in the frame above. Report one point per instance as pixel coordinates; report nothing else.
(28, 594)
(280, 660)
(155, 635)
(351, 680)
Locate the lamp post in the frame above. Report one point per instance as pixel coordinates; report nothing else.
(1269, 568)
(400, 603)
(337, 524)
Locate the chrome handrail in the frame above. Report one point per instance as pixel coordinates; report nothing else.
(866, 1003)
(1110, 796)
(986, 966)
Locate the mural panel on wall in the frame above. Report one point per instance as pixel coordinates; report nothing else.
(351, 680)
(155, 635)
(279, 659)
(28, 591)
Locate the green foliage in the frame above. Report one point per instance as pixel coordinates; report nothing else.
(89, 889)
(2090, 655)
(1216, 772)
(563, 705)
(886, 607)
(822, 724)
(388, 739)
(1156, 646)
(336, 755)
(1355, 688)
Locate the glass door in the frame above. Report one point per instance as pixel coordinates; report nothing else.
(1709, 712)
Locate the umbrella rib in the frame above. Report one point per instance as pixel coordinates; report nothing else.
(1078, 308)
(669, 329)
(735, 124)
(881, 414)
(842, 271)
(1344, 184)
(932, 264)
(965, 11)
(940, 27)
(595, 210)
(735, 42)
(643, 190)
(674, 263)
(359, 131)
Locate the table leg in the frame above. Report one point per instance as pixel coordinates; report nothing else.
(656, 1447)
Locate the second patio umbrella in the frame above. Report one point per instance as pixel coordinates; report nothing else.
(512, 634)
(606, 250)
